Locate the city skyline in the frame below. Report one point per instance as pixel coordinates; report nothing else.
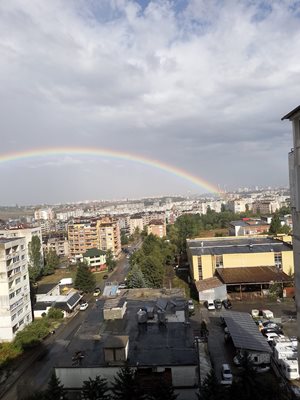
(198, 87)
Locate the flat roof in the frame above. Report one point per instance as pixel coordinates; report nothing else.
(45, 288)
(236, 245)
(149, 344)
(209, 283)
(252, 275)
(244, 332)
(4, 240)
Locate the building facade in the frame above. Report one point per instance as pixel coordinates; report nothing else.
(210, 255)
(15, 305)
(157, 227)
(294, 174)
(102, 234)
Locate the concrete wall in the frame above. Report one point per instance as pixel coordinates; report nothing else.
(182, 376)
(213, 294)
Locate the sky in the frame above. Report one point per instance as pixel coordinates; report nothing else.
(198, 85)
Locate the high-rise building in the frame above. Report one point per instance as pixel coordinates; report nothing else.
(294, 172)
(15, 306)
(44, 214)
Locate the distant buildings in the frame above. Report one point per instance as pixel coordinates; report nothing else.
(15, 306)
(248, 226)
(58, 243)
(265, 206)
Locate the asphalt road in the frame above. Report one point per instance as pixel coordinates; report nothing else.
(36, 373)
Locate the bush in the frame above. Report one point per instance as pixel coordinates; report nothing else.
(55, 313)
(32, 334)
(8, 351)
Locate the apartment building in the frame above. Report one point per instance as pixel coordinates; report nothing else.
(15, 306)
(26, 232)
(294, 173)
(44, 214)
(59, 244)
(237, 205)
(102, 234)
(157, 227)
(54, 225)
(265, 206)
(136, 222)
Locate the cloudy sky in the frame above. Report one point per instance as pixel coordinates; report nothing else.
(197, 84)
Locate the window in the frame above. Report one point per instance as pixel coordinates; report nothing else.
(24, 277)
(18, 280)
(219, 262)
(18, 291)
(200, 268)
(278, 260)
(12, 295)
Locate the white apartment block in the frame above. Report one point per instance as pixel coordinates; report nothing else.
(27, 234)
(134, 223)
(44, 214)
(15, 306)
(237, 205)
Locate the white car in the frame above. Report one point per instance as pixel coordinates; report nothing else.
(211, 305)
(267, 314)
(191, 305)
(271, 336)
(83, 306)
(226, 374)
(122, 286)
(255, 313)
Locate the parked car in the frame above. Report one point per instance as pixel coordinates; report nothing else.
(226, 374)
(210, 305)
(267, 314)
(122, 285)
(278, 331)
(191, 305)
(227, 304)
(271, 336)
(218, 304)
(255, 313)
(97, 292)
(83, 306)
(104, 277)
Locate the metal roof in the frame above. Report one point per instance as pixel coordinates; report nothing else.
(244, 332)
(252, 275)
(291, 113)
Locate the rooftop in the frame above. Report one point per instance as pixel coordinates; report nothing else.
(291, 114)
(244, 332)
(232, 245)
(4, 240)
(150, 343)
(45, 288)
(252, 275)
(94, 253)
(209, 283)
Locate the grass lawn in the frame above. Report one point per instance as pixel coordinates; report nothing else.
(171, 280)
(68, 273)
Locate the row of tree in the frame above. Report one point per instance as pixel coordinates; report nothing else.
(126, 386)
(192, 225)
(51, 260)
(148, 263)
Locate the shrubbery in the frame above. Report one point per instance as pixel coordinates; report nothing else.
(55, 313)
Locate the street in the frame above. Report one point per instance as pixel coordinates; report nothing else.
(35, 372)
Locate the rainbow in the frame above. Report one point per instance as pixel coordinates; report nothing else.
(103, 152)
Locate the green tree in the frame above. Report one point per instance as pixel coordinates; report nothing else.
(124, 238)
(153, 271)
(125, 385)
(211, 389)
(35, 256)
(161, 391)
(84, 280)
(95, 389)
(55, 390)
(110, 260)
(275, 225)
(51, 262)
(55, 313)
(135, 278)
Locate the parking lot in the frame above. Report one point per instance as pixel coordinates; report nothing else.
(222, 352)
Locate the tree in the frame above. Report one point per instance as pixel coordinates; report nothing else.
(95, 389)
(110, 261)
(161, 391)
(55, 390)
(135, 278)
(211, 389)
(35, 255)
(125, 385)
(51, 262)
(84, 280)
(55, 313)
(124, 238)
(275, 225)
